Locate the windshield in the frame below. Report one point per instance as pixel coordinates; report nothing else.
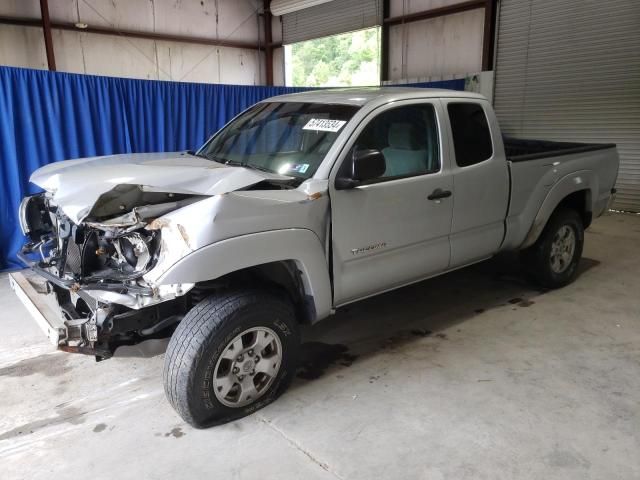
(289, 138)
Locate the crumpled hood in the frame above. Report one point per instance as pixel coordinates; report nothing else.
(77, 184)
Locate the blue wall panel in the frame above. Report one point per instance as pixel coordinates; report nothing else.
(47, 116)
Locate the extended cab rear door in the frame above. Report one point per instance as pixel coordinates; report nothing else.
(393, 230)
(480, 180)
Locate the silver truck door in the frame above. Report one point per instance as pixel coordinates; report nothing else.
(393, 230)
(480, 181)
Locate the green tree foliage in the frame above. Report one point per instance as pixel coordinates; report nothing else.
(340, 60)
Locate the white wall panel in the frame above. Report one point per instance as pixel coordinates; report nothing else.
(439, 46)
(22, 47)
(278, 67)
(238, 66)
(231, 19)
(20, 8)
(69, 51)
(189, 63)
(127, 15)
(239, 19)
(114, 55)
(199, 63)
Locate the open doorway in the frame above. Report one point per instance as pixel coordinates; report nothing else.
(344, 60)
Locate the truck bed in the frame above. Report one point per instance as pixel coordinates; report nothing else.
(538, 167)
(521, 150)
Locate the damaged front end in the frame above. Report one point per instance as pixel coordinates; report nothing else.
(95, 268)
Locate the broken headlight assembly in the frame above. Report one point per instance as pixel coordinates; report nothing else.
(133, 248)
(34, 217)
(120, 257)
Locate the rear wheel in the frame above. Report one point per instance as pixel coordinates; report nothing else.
(553, 259)
(232, 354)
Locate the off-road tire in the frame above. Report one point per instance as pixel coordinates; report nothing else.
(201, 338)
(537, 258)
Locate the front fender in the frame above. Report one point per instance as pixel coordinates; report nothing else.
(297, 244)
(571, 183)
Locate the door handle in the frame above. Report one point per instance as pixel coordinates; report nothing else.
(438, 193)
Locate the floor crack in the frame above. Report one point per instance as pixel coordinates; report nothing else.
(299, 447)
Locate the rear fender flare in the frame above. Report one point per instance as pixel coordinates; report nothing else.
(571, 183)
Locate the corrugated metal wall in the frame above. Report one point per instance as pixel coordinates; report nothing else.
(570, 70)
(338, 16)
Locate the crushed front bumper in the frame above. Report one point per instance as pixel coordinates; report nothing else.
(100, 332)
(35, 301)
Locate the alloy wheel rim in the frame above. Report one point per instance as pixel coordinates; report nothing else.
(247, 367)
(562, 249)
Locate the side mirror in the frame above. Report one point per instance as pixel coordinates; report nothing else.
(365, 165)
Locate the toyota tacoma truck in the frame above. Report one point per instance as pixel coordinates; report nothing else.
(300, 205)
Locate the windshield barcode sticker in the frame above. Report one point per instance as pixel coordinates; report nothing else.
(324, 124)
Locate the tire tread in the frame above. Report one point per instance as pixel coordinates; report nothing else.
(535, 257)
(194, 334)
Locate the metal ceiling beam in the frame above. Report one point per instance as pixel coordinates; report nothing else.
(436, 12)
(30, 22)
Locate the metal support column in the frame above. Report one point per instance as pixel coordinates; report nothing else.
(268, 46)
(48, 40)
(384, 42)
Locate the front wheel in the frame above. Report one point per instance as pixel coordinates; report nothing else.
(553, 259)
(232, 354)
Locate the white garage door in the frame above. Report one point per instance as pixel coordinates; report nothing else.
(570, 70)
(337, 16)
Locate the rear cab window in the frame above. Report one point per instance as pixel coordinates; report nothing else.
(471, 135)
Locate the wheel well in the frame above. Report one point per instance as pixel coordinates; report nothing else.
(283, 277)
(580, 202)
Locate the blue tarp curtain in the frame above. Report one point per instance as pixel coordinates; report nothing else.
(47, 116)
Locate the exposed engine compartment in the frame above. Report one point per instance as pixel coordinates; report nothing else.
(87, 255)
(110, 252)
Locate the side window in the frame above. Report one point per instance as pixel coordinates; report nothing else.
(471, 136)
(408, 139)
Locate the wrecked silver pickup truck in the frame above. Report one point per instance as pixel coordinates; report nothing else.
(300, 205)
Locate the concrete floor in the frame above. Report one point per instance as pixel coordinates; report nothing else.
(472, 375)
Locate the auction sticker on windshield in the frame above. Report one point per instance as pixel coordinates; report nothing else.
(300, 168)
(324, 124)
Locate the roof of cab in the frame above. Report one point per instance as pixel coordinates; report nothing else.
(360, 96)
